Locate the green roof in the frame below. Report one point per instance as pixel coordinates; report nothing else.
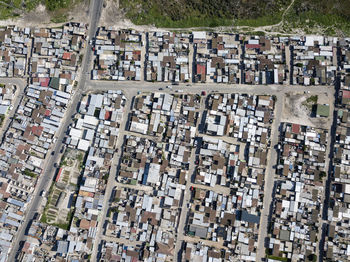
(54, 82)
(322, 110)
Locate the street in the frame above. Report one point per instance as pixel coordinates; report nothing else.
(130, 89)
(47, 176)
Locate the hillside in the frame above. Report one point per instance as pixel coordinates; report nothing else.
(56, 9)
(211, 13)
(331, 17)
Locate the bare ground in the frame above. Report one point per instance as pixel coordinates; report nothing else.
(40, 17)
(296, 110)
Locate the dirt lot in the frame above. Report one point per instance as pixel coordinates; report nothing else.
(297, 109)
(40, 17)
(113, 17)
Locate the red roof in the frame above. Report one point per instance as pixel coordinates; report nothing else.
(295, 128)
(37, 130)
(346, 94)
(108, 115)
(201, 69)
(66, 55)
(47, 112)
(59, 174)
(44, 81)
(252, 46)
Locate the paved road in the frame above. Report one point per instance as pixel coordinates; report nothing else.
(130, 88)
(46, 178)
(187, 193)
(269, 178)
(111, 181)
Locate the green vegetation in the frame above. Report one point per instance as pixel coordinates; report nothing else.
(311, 102)
(333, 16)
(57, 8)
(114, 209)
(207, 13)
(63, 163)
(270, 256)
(80, 157)
(27, 172)
(105, 177)
(284, 259)
(260, 21)
(59, 18)
(53, 5)
(68, 223)
(2, 118)
(260, 33)
(312, 99)
(312, 258)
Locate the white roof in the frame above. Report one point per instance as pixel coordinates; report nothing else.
(83, 144)
(199, 35)
(75, 133)
(91, 120)
(153, 173)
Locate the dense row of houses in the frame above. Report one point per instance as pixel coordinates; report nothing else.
(337, 230)
(153, 172)
(214, 57)
(220, 156)
(16, 45)
(298, 193)
(94, 133)
(31, 133)
(155, 169)
(118, 55)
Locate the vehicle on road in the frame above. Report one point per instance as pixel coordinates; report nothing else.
(55, 165)
(179, 91)
(52, 153)
(161, 88)
(204, 93)
(43, 193)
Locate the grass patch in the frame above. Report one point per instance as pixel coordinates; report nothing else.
(259, 33)
(193, 13)
(260, 21)
(284, 259)
(331, 16)
(59, 19)
(312, 99)
(2, 118)
(29, 173)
